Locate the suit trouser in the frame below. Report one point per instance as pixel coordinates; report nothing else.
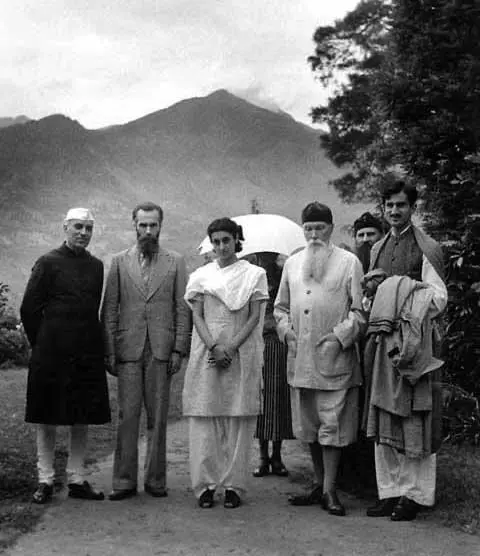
(399, 475)
(46, 436)
(220, 452)
(147, 381)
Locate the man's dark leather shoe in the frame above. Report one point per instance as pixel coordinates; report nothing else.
(383, 508)
(207, 499)
(84, 491)
(405, 510)
(231, 500)
(43, 494)
(116, 495)
(332, 504)
(156, 492)
(315, 497)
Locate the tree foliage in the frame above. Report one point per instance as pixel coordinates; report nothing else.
(13, 342)
(406, 82)
(348, 58)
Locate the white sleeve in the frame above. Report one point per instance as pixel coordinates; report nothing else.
(281, 311)
(431, 277)
(349, 330)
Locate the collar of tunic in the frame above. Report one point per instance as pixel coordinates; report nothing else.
(66, 250)
(234, 285)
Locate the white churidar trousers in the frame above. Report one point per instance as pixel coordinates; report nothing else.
(220, 452)
(46, 436)
(398, 475)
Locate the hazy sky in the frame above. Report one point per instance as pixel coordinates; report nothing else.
(106, 62)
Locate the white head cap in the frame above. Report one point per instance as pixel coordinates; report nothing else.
(79, 214)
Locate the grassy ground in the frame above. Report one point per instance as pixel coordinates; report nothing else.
(458, 489)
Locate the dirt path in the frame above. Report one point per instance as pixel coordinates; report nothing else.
(265, 525)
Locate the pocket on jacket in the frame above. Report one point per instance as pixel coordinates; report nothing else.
(331, 361)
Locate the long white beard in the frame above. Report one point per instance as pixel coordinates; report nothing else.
(315, 262)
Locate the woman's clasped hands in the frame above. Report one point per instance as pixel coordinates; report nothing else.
(221, 355)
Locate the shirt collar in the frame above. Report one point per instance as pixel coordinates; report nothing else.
(402, 232)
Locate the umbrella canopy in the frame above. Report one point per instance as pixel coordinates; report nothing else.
(265, 232)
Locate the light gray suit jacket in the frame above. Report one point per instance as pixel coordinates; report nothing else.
(132, 309)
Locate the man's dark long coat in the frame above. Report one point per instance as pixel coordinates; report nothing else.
(67, 383)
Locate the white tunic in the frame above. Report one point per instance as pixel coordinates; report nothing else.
(235, 391)
(315, 309)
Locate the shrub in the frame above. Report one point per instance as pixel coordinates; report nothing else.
(461, 416)
(14, 348)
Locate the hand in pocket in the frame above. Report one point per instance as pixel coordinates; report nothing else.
(329, 346)
(291, 339)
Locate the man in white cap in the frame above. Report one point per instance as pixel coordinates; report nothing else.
(66, 380)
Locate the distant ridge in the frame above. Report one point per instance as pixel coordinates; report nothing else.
(5, 122)
(200, 158)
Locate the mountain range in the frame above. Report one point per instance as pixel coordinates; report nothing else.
(6, 122)
(200, 159)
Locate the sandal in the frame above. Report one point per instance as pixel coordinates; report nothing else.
(43, 494)
(262, 470)
(206, 499)
(278, 468)
(232, 500)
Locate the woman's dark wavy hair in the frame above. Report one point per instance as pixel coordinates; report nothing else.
(231, 227)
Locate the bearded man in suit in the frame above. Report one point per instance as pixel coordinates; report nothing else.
(146, 326)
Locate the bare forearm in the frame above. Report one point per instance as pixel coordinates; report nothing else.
(245, 331)
(183, 322)
(202, 329)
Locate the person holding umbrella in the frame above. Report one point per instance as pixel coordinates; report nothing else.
(275, 422)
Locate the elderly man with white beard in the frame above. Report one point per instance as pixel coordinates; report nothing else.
(319, 314)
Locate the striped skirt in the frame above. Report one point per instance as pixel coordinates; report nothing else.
(275, 423)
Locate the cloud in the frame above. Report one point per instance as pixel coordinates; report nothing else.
(104, 62)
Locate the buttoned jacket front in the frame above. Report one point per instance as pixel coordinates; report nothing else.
(134, 308)
(313, 310)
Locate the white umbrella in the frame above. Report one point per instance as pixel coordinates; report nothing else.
(265, 232)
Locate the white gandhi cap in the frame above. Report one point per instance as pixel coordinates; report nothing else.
(79, 214)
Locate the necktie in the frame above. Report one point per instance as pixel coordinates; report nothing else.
(145, 268)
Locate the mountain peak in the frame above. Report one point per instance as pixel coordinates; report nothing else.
(59, 120)
(221, 95)
(58, 124)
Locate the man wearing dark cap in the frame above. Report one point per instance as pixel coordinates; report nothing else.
(367, 230)
(318, 313)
